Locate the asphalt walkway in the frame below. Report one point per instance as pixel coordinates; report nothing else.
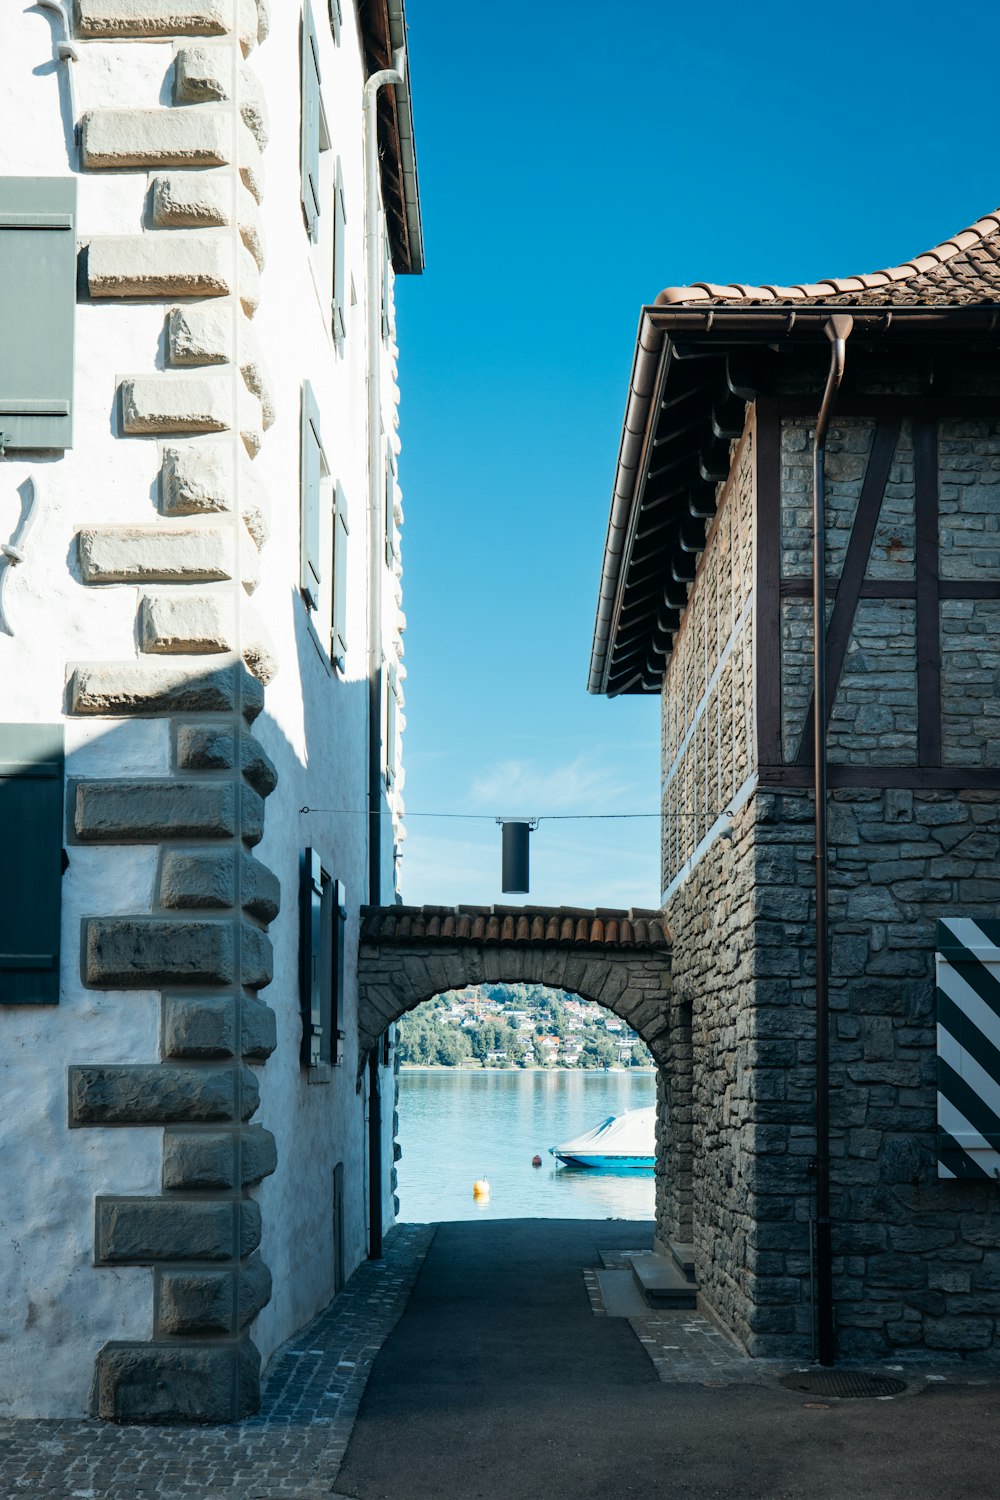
(500, 1383)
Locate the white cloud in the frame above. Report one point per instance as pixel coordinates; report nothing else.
(522, 788)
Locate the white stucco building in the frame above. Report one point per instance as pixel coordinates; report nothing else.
(200, 638)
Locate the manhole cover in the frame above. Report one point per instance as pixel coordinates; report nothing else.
(847, 1384)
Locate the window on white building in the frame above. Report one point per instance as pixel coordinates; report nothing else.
(339, 251)
(314, 474)
(322, 951)
(391, 537)
(341, 532)
(315, 136)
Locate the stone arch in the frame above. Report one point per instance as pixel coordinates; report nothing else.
(620, 959)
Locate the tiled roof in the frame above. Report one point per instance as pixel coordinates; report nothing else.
(515, 926)
(962, 271)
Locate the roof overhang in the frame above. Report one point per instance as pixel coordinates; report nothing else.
(688, 391)
(383, 29)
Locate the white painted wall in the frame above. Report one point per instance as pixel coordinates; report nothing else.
(56, 1309)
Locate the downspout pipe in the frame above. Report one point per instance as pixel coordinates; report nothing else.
(837, 331)
(376, 539)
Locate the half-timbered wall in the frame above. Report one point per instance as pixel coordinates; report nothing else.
(708, 692)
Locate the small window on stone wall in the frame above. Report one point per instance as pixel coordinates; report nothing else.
(323, 915)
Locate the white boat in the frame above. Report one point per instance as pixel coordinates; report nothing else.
(627, 1140)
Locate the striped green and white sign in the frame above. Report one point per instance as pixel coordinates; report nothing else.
(968, 1044)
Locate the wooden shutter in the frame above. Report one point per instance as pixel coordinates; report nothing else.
(341, 531)
(37, 310)
(313, 468)
(336, 20)
(338, 966)
(391, 542)
(311, 957)
(312, 126)
(31, 820)
(968, 1046)
(339, 259)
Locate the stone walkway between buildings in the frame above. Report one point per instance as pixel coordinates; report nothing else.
(481, 1361)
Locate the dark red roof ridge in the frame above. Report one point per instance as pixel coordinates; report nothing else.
(517, 926)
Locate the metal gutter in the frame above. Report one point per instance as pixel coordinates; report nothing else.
(660, 328)
(407, 143)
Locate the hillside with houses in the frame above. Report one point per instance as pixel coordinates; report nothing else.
(517, 1026)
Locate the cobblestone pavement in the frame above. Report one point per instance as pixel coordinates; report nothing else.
(291, 1450)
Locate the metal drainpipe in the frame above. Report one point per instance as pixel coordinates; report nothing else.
(376, 543)
(837, 331)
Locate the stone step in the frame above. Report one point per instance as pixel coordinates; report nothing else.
(121, 689)
(217, 1161)
(159, 1094)
(683, 1256)
(144, 953)
(661, 1282)
(144, 1231)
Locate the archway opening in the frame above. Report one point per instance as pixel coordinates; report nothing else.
(493, 1077)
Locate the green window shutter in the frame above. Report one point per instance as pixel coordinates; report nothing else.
(31, 817)
(37, 310)
(338, 966)
(339, 260)
(336, 20)
(341, 531)
(313, 469)
(313, 125)
(391, 539)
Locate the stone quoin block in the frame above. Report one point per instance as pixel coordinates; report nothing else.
(259, 1035)
(171, 402)
(114, 689)
(208, 878)
(210, 1381)
(204, 75)
(205, 200)
(202, 334)
(182, 263)
(158, 1094)
(150, 953)
(108, 19)
(187, 624)
(202, 1026)
(199, 478)
(195, 1302)
(210, 747)
(124, 554)
(215, 1160)
(143, 1231)
(148, 811)
(201, 136)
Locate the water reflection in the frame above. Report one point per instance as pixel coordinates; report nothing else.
(457, 1126)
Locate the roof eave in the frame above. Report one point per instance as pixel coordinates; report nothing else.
(659, 326)
(407, 144)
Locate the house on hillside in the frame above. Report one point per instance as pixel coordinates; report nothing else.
(873, 1177)
(201, 657)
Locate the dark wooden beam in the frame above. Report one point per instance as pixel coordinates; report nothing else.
(915, 778)
(767, 584)
(898, 588)
(925, 479)
(859, 548)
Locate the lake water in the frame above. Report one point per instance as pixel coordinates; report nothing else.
(456, 1126)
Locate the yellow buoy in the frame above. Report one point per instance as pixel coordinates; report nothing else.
(480, 1188)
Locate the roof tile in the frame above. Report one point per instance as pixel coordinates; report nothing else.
(519, 926)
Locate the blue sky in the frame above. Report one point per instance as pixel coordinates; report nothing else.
(572, 164)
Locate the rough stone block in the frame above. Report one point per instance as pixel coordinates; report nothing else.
(201, 136)
(204, 75)
(189, 624)
(181, 263)
(147, 953)
(152, 18)
(210, 748)
(142, 1231)
(198, 478)
(201, 1382)
(202, 1026)
(253, 1290)
(148, 811)
(195, 1302)
(157, 1094)
(958, 1333)
(204, 200)
(168, 402)
(260, 1030)
(194, 878)
(200, 1161)
(123, 554)
(258, 1155)
(114, 689)
(200, 334)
